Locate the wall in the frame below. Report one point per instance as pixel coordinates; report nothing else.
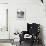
(4, 34)
(3, 1)
(3, 21)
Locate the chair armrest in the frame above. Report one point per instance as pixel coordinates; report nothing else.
(24, 32)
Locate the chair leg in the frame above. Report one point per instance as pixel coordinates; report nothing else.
(20, 42)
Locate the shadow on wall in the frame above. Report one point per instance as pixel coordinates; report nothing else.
(41, 34)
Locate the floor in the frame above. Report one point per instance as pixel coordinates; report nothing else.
(9, 44)
(26, 44)
(5, 44)
(22, 44)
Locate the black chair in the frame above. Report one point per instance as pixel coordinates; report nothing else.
(32, 29)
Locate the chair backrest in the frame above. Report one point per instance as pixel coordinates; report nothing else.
(33, 28)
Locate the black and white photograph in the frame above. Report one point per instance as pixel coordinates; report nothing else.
(21, 14)
(22, 22)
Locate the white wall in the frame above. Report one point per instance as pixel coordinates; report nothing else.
(3, 21)
(3, 1)
(4, 34)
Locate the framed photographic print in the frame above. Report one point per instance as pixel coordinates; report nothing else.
(21, 14)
